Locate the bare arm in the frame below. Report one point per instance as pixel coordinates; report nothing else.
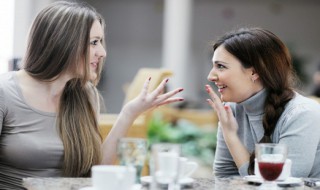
(143, 102)
(229, 127)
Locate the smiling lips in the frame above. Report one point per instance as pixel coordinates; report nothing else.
(221, 87)
(94, 65)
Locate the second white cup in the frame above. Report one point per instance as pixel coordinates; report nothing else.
(113, 177)
(186, 167)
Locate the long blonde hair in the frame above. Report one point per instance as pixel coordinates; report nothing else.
(59, 42)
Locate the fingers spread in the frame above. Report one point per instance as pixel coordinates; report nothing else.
(170, 100)
(145, 88)
(166, 96)
(160, 89)
(216, 103)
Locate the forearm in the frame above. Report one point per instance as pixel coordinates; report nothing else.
(119, 130)
(237, 150)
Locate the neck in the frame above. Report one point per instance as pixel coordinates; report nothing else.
(42, 95)
(52, 89)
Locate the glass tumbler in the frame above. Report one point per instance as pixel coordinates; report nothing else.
(132, 152)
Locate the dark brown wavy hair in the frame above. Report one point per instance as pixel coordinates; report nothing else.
(262, 50)
(58, 43)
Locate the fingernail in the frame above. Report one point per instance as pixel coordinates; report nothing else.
(181, 99)
(149, 78)
(167, 80)
(207, 88)
(180, 89)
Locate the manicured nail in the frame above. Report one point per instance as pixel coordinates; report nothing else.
(180, 90)
(167, 80)
(149, 78)
(181, 99)
(207, 88)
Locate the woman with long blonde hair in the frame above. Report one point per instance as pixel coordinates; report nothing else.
(49, 109)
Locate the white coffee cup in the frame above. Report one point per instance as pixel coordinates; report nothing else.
(113, 177)
(164, 163)
(168, 164)
(286, 171)
(186, 167)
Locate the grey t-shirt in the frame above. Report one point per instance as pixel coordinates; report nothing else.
(30, 145)
(298, 128)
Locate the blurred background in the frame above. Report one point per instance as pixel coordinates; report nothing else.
(176, 35)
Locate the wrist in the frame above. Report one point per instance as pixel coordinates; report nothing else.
(231, 137)
(128, 113)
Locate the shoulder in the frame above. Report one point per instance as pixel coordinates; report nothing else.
(302, 104)
(5, 77)
(6, 84)
(6, 81)
(302, 111)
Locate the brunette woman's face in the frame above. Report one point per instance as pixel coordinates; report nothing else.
(97, 51)
(235, 83)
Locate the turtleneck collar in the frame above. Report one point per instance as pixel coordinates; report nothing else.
(255, 104)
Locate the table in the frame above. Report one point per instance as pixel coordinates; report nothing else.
(235, 183)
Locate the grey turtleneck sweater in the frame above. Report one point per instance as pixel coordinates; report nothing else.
(298, 128)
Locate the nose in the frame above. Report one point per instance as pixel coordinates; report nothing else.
(101, 52)
(213, 77)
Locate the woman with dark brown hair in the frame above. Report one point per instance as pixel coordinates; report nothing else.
(49, 109)
(253, 72)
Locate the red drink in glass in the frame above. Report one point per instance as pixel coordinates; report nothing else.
(270, 171)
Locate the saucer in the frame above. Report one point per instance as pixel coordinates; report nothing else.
(290, 181)
(187, 181)
(135, 187)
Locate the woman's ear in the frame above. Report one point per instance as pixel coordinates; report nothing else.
(254, 76)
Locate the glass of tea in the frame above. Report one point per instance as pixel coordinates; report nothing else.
(271, 158)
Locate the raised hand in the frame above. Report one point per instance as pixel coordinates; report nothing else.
(225, 115)
(146, 101)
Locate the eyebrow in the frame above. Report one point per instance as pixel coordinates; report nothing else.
(219, 62)
(99, 37)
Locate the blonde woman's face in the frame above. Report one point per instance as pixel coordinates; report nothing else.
(97, 51)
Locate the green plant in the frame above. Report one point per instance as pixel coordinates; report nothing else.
(195, 141)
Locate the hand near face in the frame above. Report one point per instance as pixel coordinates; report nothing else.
(225, 115)
(146, 101)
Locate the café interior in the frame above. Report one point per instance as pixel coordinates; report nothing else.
(173, 39)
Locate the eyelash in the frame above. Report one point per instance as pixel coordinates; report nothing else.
(219, 66)
(94, 42)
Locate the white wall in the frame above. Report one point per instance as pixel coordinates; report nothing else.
(134, 40)
(6, 33)
(25, 12)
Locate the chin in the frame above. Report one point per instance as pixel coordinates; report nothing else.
(223, 99)
(93, 76)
